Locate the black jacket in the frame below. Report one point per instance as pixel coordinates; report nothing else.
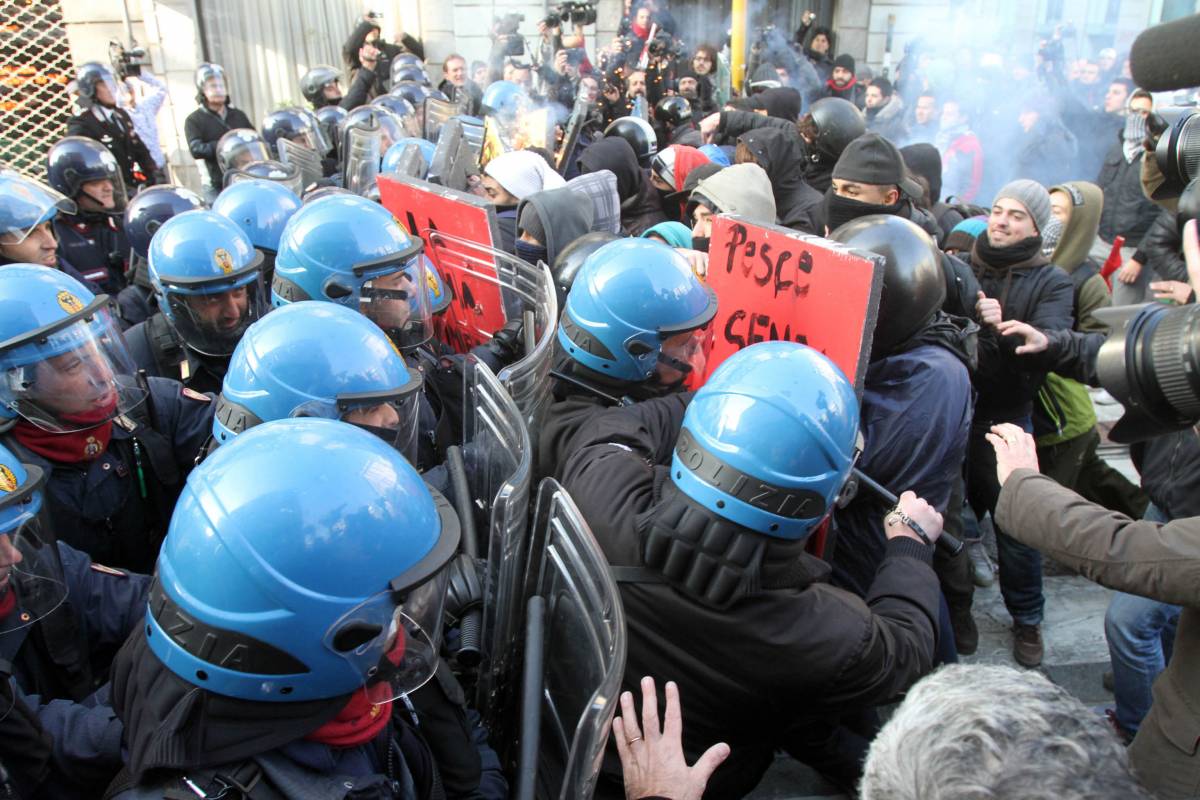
(95, 244)
(1035, 292)
(1161, 248)
(121, 139)
(781, 154)
(738, 666)
(1170, 470)
(204, 129)
(1126, 212)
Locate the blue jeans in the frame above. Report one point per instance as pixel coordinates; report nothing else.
(1141, 634)
(1020, 565)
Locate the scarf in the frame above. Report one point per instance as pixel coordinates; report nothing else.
(850, 84)
(1132, 138)
(367, 711)
(1001, 259)
(840, 210)
(70, 448)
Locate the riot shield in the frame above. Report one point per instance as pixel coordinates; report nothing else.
(582, 648)
(499, 460)
(285, 174)
(411, 163)
(526, 293)
(452, 158)
(361, 156)
(473, 135)
(579, 115)
(437, 113)
(306, 161)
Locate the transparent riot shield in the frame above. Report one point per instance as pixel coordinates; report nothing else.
(361, 157)
(306, 161)
(576, 610)
(451, 159)
(525, 292)
(472, 135)
(437, 112)
(499, 461)
(411, 163)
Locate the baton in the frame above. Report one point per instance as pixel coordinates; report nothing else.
(946, 542)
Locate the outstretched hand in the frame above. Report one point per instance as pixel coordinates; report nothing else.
(652, 760)
(1035, 340)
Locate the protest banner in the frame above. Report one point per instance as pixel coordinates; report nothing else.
(469, 273)
(773, 283)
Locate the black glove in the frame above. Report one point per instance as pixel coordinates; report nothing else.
(508, 343)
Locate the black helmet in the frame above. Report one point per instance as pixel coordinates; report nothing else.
(88, 77)
(914, 287)
(296, 125)
(412, 91)
(571, 258)
(330, 118)
(150, 208)
(640, 135)
(838, 123)
(673, 111)
(75, 160)
(313, 84)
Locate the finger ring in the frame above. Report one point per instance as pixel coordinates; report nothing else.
(636, 739)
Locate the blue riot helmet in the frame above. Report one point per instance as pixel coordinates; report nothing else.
(392, 156)
(85, 171)
(207, 278)
(239, 147)
(88, 77)
(63, 363)
(150, 208)
(715, 154)
(315, 194)
(502, 98)
(286, 175)
(31, 567)
(408, 59)
(25, 204)
(392, 127)
(346, 249)
(309, 560)
(769, 440)
(261, 209)
(295, 126)
(313, 359)
(630, 310)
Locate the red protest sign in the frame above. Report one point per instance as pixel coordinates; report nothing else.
(773, 283)
(461, 254)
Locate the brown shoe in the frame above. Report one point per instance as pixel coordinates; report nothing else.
(1027, 645)
(966, 634)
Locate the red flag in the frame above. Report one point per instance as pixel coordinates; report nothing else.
(1113, 262)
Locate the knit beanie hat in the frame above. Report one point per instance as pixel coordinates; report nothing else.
(845, 61)
(531, 223)
(1033, 196)
(962, 237)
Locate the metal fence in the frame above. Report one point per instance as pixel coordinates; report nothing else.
(35, 66)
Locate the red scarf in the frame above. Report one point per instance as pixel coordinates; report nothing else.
(839, 89)
(365, 714)
(70, 448)
(639, 31)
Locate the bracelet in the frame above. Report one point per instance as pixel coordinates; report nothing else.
(896, 515)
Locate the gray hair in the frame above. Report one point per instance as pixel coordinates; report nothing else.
(995, 733)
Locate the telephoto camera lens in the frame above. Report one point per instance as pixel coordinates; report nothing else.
(1178, 150)
(1151, 364)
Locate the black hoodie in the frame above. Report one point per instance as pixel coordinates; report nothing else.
(781, 103)
(781, 154)
(641, 207)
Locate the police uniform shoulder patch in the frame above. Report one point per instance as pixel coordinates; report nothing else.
(69, 302)
(8, 481)
(192, 394)
(103, 570)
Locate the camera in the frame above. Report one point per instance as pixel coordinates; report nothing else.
(578, 13)
(663, 45)
(508, 42)
(127, 62)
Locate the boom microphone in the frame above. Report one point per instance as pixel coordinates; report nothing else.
(1162, 58)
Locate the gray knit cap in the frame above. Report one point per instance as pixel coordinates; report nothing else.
(1033, 196)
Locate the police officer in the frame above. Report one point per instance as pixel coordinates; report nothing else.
(92, 237)
(321, 86)
(207, 280)
(261, 209)
(61, 618)
(632, 330)
(292, 679)
(205, 126)
(104, 121)
(28, 209)
(144, 215)
(114, 449)
(703, 516)
(290, 128)
(674, 117)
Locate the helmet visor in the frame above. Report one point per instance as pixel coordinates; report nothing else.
(73, 375)
(682, 358)
(29, 562)
(395, 297)
(390, 414)
(25, 204)
(239, 148)
(363, 153)
(212, 316)
(103, 193)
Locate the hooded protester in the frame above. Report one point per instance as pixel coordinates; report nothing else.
(870, 178)
(843, 83)
(675, 234)
(1045, 150)
(743, 189)
(782, 103)
(781, 154)
(669, 170)
(641, 206)
(1017, 282)
(885, 111)
(508, 179)
(548, 221)
(1064, 419)
(925, 162)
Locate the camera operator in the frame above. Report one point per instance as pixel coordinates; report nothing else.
(102, 120)
(369, 57)
(141, 93)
